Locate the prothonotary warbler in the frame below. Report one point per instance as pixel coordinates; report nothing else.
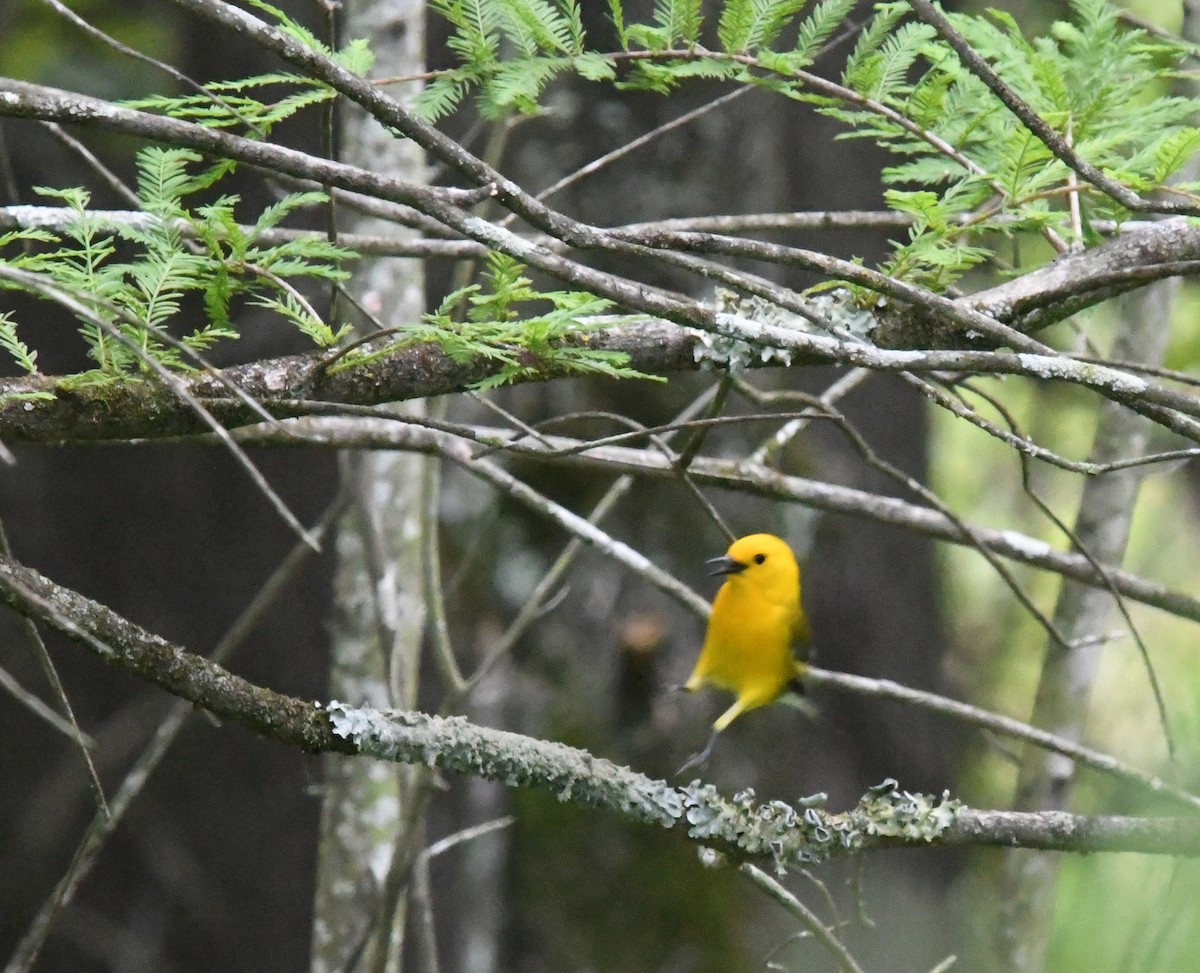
(756, 622)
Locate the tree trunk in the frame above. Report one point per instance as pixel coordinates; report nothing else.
(371, 816)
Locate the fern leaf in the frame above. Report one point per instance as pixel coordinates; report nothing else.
(885, 71)
(819, 25)
(163, 179)
(535, 26)
(314, 328)
(594, 66)
(356, 56)
(204, 338)
(617, 16)
(924, 206)
(16, 348)
(517, 84)
(476, 38)
(277, 212)
(680, 20)
(1174, 152)
(747, 25)
(441, 96)
(872, 36)
(291, 27)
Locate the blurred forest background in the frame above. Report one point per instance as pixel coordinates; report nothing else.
(214, 866)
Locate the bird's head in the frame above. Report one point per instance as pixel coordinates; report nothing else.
(763, 561)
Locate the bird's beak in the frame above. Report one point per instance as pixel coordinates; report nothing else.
(725, 565)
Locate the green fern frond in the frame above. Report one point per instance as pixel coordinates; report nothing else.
(875, 33)
(819, 26)
(133, 294)
(517, 85)
(883, 72)
(476, 37)
(679, 20)
(16, 348)
(617, 16)
(508, 321)
(443, 95)
(205, 338)
(1172, 151)
(537, 26)
(290, 27)
(356, 56)
(163, 178)
(275, 213)
(291, 309)
(747, 25)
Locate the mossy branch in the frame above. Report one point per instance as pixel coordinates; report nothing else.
(743, 828)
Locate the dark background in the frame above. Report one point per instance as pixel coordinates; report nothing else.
(214, 866)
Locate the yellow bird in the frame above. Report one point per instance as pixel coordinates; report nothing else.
(756, 620)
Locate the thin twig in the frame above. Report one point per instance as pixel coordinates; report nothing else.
(807, 917)
(56, 685)
(87, 853)
(1118, 599)
(1003, 725)
(443, 845)
(173, 382)
(33, 703)
(379, 433)
(431, 558)
(845, 384)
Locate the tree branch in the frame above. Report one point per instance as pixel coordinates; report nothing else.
(129, 408)
(928, 12)
(733, 474)
(771, 833)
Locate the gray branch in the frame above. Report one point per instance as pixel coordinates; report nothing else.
(733, 474)
(772, 832)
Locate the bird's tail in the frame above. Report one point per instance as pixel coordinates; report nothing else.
(801, 702)
(794, 695)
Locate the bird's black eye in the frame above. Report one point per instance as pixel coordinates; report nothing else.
(759, 558)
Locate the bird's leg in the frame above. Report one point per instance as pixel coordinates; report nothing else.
(698, 758)
(740, 705)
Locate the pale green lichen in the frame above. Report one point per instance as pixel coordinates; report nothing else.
(457, 745)
(786, 834)
(807, 834)
(826, 313)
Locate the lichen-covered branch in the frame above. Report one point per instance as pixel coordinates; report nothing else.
(42, 408)
(771, 832)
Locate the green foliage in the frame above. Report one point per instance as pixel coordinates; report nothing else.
(231, 104)
(539, 40)
(678, 20)
(127, 282)
(964, 166)
(1101, 85)
(818, 27)
(16, 348)
(495, 321)
(747, 25)
(238, 104)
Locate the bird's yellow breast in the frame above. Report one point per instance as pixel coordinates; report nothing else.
(748, 648)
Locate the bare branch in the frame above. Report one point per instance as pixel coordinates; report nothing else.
(772, 833)
(734, 474)
(809, 919)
